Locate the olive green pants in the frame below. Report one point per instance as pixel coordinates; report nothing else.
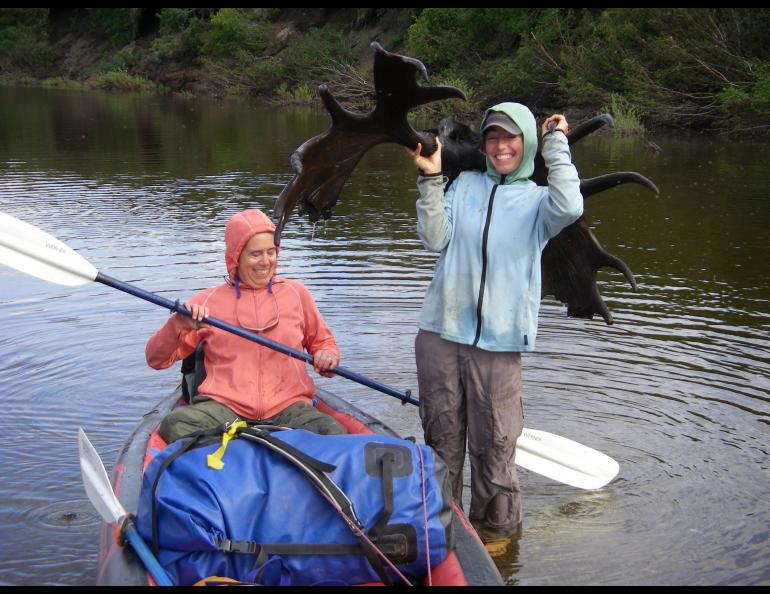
(206, 413)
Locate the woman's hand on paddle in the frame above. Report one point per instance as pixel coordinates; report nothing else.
(324, 362)
(429, 165)
(199, 313)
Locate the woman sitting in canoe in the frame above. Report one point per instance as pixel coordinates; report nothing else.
(245, 380)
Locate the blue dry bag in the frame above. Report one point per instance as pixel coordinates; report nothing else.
(293, 498)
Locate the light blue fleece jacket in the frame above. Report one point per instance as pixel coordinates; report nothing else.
(485, 290)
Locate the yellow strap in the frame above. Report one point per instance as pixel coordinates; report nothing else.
(215, 460)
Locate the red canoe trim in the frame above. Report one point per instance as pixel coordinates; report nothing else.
(352, 425)
(448, 572)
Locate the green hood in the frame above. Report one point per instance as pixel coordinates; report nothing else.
(526, 121)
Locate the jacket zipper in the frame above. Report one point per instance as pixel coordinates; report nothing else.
(484, 240)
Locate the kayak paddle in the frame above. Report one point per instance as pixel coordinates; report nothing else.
(101, 495)
(33, 251)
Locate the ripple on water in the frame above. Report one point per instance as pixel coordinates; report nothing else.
(62, 516)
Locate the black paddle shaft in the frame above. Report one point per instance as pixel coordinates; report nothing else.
(176, 306)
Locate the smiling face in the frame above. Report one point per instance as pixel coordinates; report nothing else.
(256, 265)
(503, 149)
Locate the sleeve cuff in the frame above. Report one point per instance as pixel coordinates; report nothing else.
(553, 131)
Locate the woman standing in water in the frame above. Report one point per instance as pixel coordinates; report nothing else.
(480, 310)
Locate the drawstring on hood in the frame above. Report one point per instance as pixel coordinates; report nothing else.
(523, 118)
(240, 229)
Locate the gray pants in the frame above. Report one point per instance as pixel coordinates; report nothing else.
(466, 391)
(205, 413)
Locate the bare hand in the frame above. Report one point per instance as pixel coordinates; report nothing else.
(430, 164)
(325, 361)
(199, 313)
(555, 122)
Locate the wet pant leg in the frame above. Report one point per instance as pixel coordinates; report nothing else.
(442, 403)
(492, 382)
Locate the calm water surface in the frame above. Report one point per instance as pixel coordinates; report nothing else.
(677, 390)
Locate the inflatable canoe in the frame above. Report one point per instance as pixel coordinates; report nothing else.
(467, 564)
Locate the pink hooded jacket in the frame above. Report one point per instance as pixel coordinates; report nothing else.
(254, 381)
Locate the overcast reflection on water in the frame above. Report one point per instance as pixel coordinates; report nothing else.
(677, 390)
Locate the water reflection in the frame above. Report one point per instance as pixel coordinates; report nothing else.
(676, 390)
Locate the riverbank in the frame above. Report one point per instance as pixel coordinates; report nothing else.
(701, 69)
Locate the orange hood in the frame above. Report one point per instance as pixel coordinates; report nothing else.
(241, 228)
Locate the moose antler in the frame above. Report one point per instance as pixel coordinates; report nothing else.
(323, 163)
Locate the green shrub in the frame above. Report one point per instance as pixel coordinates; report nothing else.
(124, 60)
(731, 98)
(748, 108)
(264, 75)
(575, 90)
(120, 80)
(59, 82)
(194, 36)
(22, 48)
(314, 56)
(167, 47)
(31, 17)
(512, 78)
(173, 20)
(455, 39)
(302, 94)
(626, 116)
(760, 94)
(118, 24)
(227, 32)
(230, 30)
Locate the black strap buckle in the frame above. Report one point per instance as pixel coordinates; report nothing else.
(248, 547)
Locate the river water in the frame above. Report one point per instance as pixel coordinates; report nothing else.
(677, 390)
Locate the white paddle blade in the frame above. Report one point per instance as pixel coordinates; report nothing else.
(97, 483)
(564, 460)
(33, 251)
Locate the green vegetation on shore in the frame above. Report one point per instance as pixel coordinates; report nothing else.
(705, 69)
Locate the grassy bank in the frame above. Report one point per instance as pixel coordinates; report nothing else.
(706, 69)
